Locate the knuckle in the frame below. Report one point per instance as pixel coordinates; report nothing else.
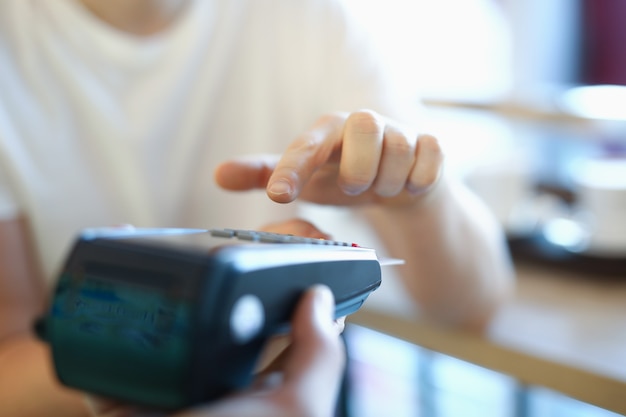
(356, 181)
(426, 178)
(307, 147)
(430, 142)
(306, 143)
(331, 118)
(366, 122)
(398, 144)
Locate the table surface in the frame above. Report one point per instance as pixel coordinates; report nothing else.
(563, 330)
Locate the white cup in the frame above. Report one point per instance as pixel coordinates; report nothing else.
(600, 187)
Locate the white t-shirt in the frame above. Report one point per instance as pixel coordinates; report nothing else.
(99, 127)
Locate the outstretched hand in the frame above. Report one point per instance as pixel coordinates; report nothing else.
(344, 159)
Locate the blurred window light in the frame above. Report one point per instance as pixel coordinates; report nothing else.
(546, 43)
(446, 48)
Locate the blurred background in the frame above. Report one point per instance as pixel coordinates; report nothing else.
(529, 100)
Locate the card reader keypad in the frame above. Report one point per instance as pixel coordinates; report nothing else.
(269, 237)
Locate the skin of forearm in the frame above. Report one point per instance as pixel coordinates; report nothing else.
(458, 268)
(28, 386)
(137, 17)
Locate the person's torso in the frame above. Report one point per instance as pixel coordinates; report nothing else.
(99, 128)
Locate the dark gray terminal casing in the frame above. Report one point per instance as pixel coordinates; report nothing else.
(171, 319)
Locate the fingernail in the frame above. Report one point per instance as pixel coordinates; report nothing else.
(280, 187)
(414, 190)
(352, 190)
